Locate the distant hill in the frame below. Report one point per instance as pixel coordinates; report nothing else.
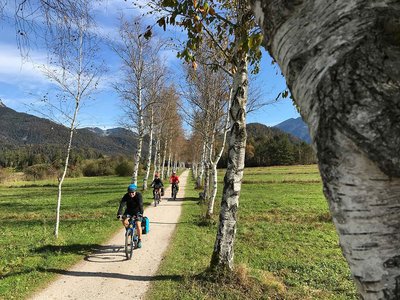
(296, 127)
(269, 146)
(21, 129)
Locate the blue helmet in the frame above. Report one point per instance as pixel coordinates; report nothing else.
(132, 187)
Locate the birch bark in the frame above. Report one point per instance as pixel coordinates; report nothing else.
(222, 257)
(341, 60)
(150, 151)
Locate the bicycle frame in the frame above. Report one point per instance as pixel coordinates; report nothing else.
(131, 237)
(174, 190)
(157, 196)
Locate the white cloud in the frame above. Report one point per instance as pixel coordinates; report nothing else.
(14, 69)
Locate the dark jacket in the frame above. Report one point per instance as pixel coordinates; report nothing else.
(157, 183)
(131, 206)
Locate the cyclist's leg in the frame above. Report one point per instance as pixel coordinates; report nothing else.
(139, 228)
(125, 221)
(139, 231)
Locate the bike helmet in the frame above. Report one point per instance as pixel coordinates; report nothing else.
(132, 188)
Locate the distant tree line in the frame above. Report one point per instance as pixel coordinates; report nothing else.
(267, 146)
(25, 156)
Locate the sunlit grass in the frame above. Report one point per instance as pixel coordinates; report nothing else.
(286, 246)
(28, 250)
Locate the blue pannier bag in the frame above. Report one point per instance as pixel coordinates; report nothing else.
(145, 225)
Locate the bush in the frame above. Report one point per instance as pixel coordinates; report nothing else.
(124, 168)
(40, 171)
(99, 167)
(4, 174)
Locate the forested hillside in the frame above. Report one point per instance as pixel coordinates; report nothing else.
(269, 146)
(26, 140)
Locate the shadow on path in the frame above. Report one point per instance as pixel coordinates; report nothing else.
(182, 199)
(98, 274)
(115, 275)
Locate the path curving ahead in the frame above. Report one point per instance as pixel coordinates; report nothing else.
(106, 274)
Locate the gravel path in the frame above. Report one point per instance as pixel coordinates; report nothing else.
(106, 274)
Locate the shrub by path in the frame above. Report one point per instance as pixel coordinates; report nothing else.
(106, 274)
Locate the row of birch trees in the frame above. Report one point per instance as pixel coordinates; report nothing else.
(150, 106)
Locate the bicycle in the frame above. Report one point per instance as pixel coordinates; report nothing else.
(131, 238)
(174, 190)
(157, 196)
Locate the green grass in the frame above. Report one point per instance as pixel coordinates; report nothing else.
(286, 246)
(29, 255)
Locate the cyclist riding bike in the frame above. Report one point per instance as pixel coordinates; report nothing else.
(157, 184)
(174, 180)
(132, 205)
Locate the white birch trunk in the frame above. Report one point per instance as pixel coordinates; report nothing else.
(155, 159)
(148, 161)
(60, 182)
(341, 60)
(163, 159)
(157, 155)
(140, 124)
(213, 164)
(222, 257)
(201, 166)
(169, 160)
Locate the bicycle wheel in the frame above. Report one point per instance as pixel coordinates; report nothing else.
(156, 197)
(129, 245)
(174, 193)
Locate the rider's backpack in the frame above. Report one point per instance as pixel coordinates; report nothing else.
(145, 225)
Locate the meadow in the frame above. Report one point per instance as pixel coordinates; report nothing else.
(286, 246)
(30, 256)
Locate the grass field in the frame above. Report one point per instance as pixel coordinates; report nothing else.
(286, 246)
(29, 254)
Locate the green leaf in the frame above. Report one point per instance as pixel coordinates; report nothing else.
(169, 3)
(147, 35)
(161, 22)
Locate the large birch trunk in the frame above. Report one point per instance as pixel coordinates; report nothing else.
(222, 257)
(341, 60)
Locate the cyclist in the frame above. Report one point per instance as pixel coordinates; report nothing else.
(132, 204)
(174, 180)
(157, 184)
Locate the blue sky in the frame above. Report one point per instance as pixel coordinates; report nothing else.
(21, 83)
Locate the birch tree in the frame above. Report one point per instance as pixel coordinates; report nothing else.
(139, 55)
(155, 93)
(75, 70)
(341, 61)
(216, 19)
(208, 96)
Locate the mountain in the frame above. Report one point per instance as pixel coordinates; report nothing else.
(21, 129)
(296, 127)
